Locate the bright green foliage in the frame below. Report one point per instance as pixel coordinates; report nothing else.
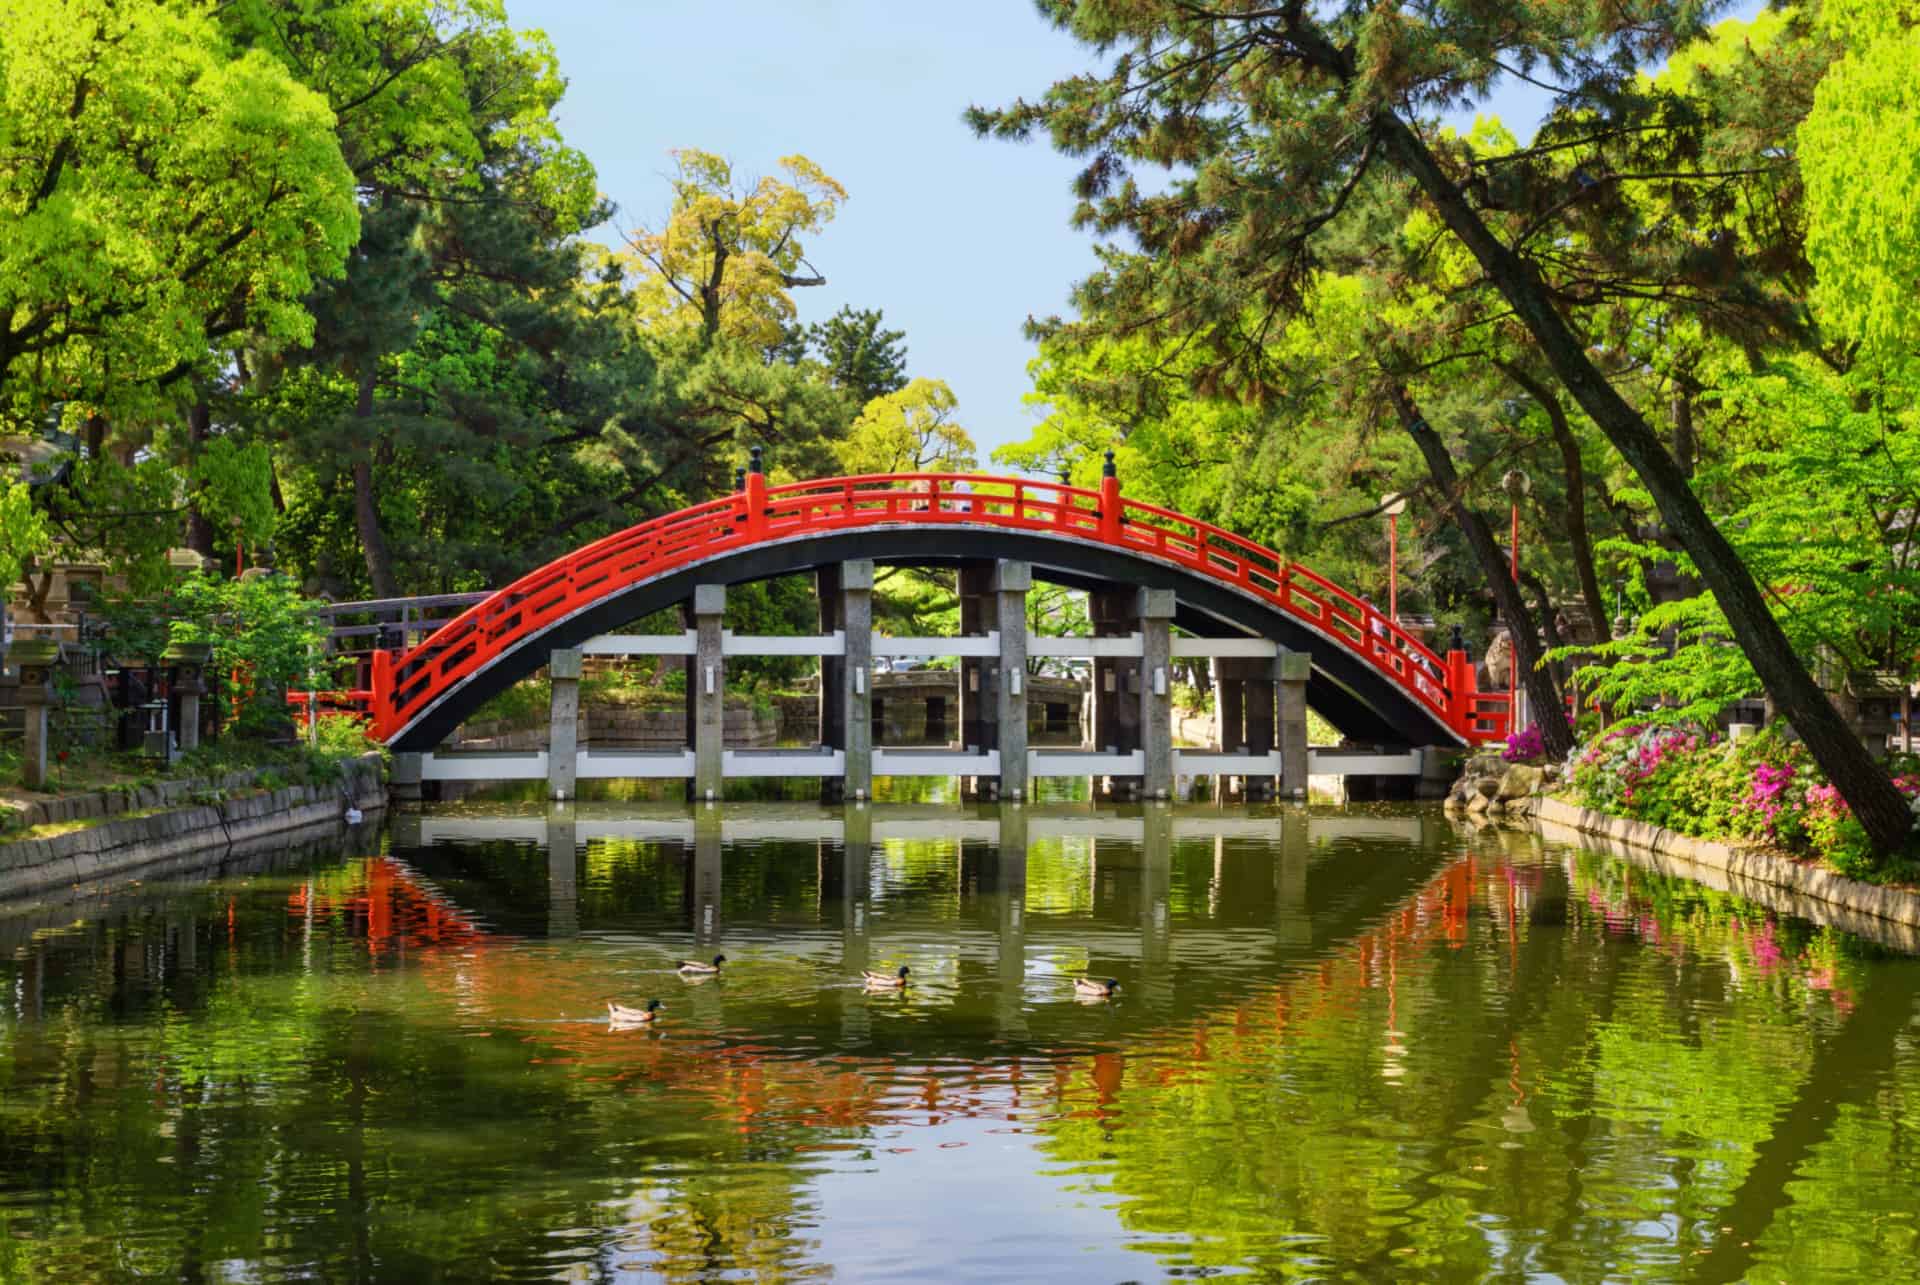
(909, 431)
(261, 629)
(160, 190)
(24, 533)
(1816, 489)
(1860, 155)
(725, 258)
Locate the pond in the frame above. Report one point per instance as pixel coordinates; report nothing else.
(1347, 1043)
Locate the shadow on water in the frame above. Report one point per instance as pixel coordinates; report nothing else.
(1362, 1042)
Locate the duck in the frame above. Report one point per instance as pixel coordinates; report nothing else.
(696, 967)
(621, 1015)
(878, 981)
(1095, 989)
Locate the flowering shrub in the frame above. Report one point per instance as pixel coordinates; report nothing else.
(1764, 788)
(1525, 746)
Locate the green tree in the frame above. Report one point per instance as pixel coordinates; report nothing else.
(860, 355)
(1271, 119)
(161, 191)
(909, 431)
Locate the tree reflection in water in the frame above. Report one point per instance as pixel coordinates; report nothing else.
(1357, 1043)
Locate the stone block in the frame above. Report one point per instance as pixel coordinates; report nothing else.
(709, 599)
(566, 662)
(1293, 666)
(1478, 803)
(1518, 782)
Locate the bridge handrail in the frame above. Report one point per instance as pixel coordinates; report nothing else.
(405, 684)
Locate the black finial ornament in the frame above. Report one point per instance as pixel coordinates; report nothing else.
(1109, 470)
(753, 461)
(739, 479)
(1457, 643)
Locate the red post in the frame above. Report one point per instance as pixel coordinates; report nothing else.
(382, 702)
(756, 498)
(1110, 503)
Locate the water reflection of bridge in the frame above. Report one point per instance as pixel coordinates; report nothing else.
(1313, 896)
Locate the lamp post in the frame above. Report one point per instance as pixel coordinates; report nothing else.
(1393, 504)
(1516, 484)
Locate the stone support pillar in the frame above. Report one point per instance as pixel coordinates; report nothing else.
(563, 722)
(1116, 684)
(1009, 1006)
(1155, 610)
(1229, 714)
(708, 684)
(856, 717)
(1260, 713)
(978, 729)
(833, 674)
(1011, 582)
(404, 775)
(1292, 669)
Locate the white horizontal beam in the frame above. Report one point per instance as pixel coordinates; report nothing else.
(485, 765)
(1072, 763)
(640, 645)
(979, 645)
(1089, 648)
(897, 762)
(1209, 763)
(746, 763)
(642, 765)
(1362, 763)
(833, 644)
(1257, 648)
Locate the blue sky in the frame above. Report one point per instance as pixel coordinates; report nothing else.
(957, 239)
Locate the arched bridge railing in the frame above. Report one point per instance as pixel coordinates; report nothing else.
(405, 684)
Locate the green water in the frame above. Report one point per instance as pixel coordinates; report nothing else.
(1347, 1044)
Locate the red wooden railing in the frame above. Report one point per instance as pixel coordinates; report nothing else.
(406, 683)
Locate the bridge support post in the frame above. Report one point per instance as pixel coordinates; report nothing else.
(1116, 685)
(1260, 682)
(977, 704)
(855, 722)
(833, 674)
(1292, 669)
(1011, 581)
(708, 686)
(1155, 610)
(563, 735)
(404, 777)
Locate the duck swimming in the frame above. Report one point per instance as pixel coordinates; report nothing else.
(694, 966)
(621, 1015)
(879, 981)
(1094, 989)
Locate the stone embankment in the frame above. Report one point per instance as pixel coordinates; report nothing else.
(117, 832)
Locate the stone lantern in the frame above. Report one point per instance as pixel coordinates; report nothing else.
(35, 658)
(188, 663)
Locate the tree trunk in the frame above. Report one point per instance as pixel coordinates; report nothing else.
(1864, 784)
(199, 429)
(1549, 710)
(366, 505)
(1580, 542)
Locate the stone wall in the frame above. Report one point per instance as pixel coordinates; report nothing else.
(205, 817)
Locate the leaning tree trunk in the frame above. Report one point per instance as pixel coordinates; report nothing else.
(1864, 784)
(1579, 543)
(199, 429)
(366, 504)
(1541, 689)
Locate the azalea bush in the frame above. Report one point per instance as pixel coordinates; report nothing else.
(1763, 789)
(1525, 746)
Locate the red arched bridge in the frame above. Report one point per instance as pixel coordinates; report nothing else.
(1150, 571)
